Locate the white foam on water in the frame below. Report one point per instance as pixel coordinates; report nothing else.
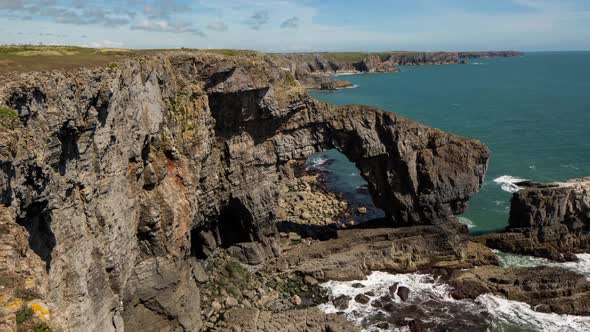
(345, 74)
(582, 266)
(508, 183)
(425, 288)
(522, 314)
(317, 162)
(467, 222)
(349, 87)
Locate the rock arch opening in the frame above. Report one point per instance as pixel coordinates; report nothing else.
(341, 176)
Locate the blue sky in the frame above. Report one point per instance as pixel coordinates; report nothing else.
(301, 25)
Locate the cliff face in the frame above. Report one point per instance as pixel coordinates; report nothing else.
(550, 220)
(124, 177)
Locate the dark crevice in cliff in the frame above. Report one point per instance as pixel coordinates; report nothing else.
(24, 101)
(234, 225)
(68, 137)
(239, 112)
(36, 219)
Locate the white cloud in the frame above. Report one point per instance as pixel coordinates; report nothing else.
(105, 44)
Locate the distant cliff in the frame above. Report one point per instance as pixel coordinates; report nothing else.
(315, 70)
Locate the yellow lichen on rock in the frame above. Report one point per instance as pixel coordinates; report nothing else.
(40, 309)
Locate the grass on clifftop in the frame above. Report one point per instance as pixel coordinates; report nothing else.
(25, 58)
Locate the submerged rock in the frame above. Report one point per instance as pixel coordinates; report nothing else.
(362, 299)
(341, 302)
(403, 293)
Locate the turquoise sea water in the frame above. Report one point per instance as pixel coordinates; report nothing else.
(533, 112)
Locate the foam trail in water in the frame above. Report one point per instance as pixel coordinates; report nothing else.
(508, 183)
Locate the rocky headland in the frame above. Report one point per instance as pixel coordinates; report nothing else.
(550, 220)
(316, 70)
(160, 193)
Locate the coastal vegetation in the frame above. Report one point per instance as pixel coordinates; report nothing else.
(8, 117)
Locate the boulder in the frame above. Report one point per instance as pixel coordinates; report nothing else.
(341, 302)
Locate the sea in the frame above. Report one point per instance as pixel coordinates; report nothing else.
(533, 112)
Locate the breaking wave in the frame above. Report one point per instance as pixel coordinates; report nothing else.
(509, 183)
(430, 302)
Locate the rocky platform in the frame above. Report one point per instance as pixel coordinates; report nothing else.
(549, 220)
(547, 289)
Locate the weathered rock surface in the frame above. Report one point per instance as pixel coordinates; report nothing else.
(123, 177)
(548, 220)
(356, 252)
(546, 288)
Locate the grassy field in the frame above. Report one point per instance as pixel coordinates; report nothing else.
(36, 58)
(24, 58)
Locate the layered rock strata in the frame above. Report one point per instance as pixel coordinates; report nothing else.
(548, 220)
(124, 177)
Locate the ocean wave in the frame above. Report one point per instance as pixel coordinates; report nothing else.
(508, 183)
(467, 222)
(438, 308)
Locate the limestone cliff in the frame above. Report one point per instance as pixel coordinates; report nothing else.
(550, 220)
(124, 177)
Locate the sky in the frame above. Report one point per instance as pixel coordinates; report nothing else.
(301, 25)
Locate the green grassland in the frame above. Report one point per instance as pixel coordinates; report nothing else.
(24, 58)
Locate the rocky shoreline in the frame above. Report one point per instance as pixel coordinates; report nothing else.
(165, 193)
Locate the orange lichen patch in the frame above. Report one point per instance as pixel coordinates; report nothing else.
(29, 283)
(40, 311)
